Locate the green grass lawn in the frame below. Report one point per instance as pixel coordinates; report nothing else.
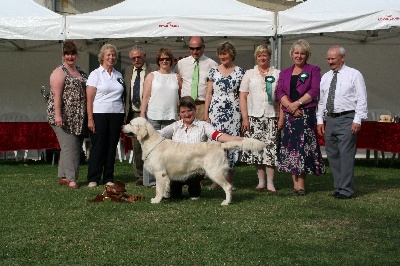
(43, 223)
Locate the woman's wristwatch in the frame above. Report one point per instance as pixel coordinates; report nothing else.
(299, 102)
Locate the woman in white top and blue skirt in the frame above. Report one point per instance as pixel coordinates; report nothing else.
(105, 116)
(160, 98)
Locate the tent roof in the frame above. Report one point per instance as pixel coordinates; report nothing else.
(159, 18)
(25, 19)
(316, 16)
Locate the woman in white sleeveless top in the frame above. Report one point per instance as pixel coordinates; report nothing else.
(160, 98)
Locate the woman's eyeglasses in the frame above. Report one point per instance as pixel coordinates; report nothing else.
(196, 48)
(165, 59)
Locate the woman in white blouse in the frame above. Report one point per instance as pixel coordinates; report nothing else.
(260, 112)
(105, 116)
(160, 98)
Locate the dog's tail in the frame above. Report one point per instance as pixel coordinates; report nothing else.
(247, 144)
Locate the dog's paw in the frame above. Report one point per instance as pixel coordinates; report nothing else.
(155, 201)
(225, 203)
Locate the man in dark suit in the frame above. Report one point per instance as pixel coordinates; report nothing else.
(134, 76)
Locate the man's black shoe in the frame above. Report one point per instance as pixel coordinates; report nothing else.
(341, 196)
(335, 194)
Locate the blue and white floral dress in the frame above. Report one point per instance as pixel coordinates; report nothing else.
(224, 111)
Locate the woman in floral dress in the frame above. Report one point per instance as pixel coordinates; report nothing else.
(298, 92)
(260, 112)
(222, 99)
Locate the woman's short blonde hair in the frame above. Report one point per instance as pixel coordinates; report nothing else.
(262, 48)
(304, 45)
(103, 51)
(227, 47)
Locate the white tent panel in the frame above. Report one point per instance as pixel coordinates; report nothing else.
(25, 19)
(316, 16)
(158, 18)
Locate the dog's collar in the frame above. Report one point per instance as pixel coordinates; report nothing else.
(153, 149)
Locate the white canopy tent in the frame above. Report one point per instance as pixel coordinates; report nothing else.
(316, 16)
(368, 29)
(159, 18)
(168, 23)
(30, 36)
(25, 19)
(33, 52)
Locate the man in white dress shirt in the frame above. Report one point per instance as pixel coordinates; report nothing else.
(343, 103)
(186, 66)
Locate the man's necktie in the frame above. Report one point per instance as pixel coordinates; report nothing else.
(136, 89)
(331, 95)
(195, 80)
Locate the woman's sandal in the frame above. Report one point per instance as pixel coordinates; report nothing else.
(63, 182)
(301, 192)
(73, 185)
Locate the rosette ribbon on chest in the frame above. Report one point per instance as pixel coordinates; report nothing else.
(303, 76)
(123, 96)
(121, 81)
(268, 87)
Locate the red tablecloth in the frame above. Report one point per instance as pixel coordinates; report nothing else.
(377, 136)
(40, 136)
(27, 136)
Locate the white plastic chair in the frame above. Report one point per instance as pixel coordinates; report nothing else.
(375, 116)
(86, 147)
(120, 150)
(14, 117)
(37, 154)
(131, 156)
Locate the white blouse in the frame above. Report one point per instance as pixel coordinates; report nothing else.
(109, 89)
(257, 99)
(198, 131)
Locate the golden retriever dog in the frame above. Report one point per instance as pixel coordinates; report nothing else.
(170, 160)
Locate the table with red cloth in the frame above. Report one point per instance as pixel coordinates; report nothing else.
(27, 136)
(377, 136)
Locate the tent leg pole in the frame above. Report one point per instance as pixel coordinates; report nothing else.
(279, 61)
(272, 45)
(54, 5)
